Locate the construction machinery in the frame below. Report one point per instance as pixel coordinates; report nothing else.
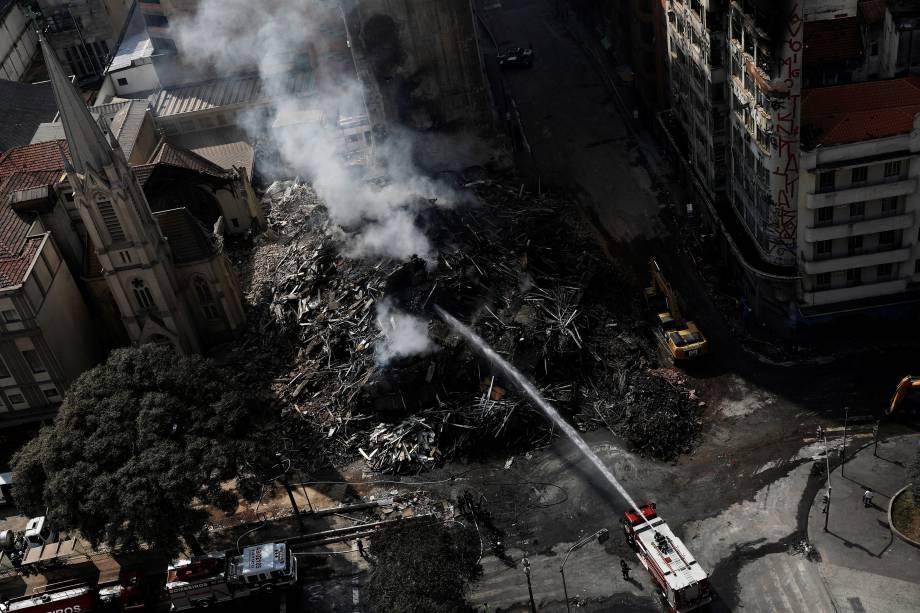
(905, 388)
(683, 339)
(682, 583)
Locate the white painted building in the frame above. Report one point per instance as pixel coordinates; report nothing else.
(858, 242)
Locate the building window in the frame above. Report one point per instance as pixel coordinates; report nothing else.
(51, 392)
(893, 169)
(16, 399)
(859, 174)
(857, 209)
(125, 257)
(35, 362)
(110, 219)
(156, 21)
(825, 216)
(854, 244)
(886, 238)
(854, 276)
(122, 81)
(142, 294)
(826, 181)
(823, 248)
(5, 374)
(823, 279)
(890, 205)
(883, 271)
(206, 299)
(10, 316)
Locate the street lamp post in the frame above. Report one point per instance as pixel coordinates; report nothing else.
(601, 535)
(875, 437)
(827, 463)
(526, 563)
(843, 450)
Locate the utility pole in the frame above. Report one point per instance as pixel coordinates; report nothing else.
(827, 461)
(843, 450)
(285, 464)
(875, 437)
(526, 563)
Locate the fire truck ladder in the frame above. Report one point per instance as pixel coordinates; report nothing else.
(684, 569)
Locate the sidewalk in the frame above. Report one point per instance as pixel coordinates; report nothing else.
(863, 562)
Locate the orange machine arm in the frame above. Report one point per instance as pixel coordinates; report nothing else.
(907, 384)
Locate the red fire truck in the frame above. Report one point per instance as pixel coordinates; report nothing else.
(205, 580)
(78, 599)
(683, 584)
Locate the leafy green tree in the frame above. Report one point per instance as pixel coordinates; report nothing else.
(142, 442)
(422, 567)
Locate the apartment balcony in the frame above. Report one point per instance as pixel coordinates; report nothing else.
(854, 292)
(899, 187)
(813, 234)
(892, 256)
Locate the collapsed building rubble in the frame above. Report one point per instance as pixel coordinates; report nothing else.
(527, 275)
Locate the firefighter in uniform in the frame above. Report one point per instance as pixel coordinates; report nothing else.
(625, 568)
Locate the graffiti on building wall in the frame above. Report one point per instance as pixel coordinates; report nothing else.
(783, 219)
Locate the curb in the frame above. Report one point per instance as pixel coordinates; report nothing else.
(902, 536)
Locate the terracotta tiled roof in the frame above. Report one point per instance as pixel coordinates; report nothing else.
(873, 11)
(861, 111)
(832, 40)
(43, 156)
(23, 168)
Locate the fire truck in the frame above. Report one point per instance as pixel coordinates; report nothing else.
(209, 579)
(683, 584)
(76, 599)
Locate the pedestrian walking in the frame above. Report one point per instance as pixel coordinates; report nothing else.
(867, 499)
(361, 549)
(625, 568)
(825, 500)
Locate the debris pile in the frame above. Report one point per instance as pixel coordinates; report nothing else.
(524, 272)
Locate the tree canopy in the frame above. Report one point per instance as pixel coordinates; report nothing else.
(140, 441)
(421, 567)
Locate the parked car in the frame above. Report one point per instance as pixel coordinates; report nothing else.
(516, 57)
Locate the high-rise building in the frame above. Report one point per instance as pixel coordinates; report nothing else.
(803, 125)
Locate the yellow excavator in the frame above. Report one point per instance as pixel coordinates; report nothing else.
(907, 386)
(682, 338)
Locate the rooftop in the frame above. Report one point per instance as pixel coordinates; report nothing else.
(229, 92)
(855, 112)
(23, 168)
(123, 119)
(228, 147)
(832, 40)
(23, 106)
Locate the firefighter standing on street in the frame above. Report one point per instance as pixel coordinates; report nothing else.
(867, 499)
(625, 568)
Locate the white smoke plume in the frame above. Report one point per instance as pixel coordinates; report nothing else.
(232, 36)
(404, 334)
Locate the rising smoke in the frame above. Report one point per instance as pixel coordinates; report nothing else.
(271, 37)
(232, 36)
(404, 335)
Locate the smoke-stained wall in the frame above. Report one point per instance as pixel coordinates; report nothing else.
(419, 62)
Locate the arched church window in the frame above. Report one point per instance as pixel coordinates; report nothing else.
(206, 299)
(110, 219)
(142, 294)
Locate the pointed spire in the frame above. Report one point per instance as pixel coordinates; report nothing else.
(87, 144)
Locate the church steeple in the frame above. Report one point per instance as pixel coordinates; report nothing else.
(88, 146)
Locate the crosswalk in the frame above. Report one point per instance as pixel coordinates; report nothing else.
(783, 582)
